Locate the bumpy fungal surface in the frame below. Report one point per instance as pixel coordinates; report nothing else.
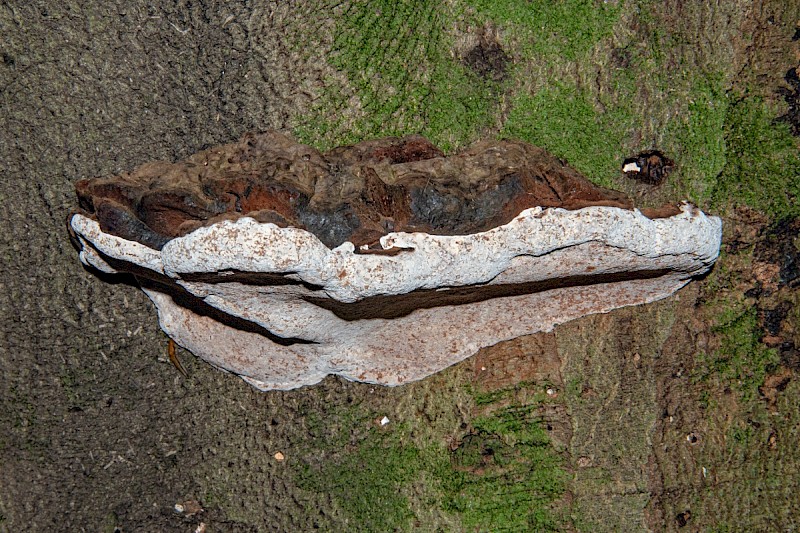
(382, 262)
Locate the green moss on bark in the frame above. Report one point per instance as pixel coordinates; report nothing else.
(566, 121)
(565, 30)
(499, 473)
(762, 169)
(742, 361)
(505, 474)
(402, 78)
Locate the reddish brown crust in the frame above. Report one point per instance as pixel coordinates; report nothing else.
(356, 193)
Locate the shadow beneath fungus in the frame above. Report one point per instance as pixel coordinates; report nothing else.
(134, 275)
(385, 307)
(259, 279)
(389, 307)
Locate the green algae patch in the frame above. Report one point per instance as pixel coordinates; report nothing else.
(553, 100)
(566, 122)
(502, 470)
(401, 79)
(734, 152)
(738, 359)
(763, 165)
(505, 474)
(499, 471)
(742, 360)
(359, 467)
(404, 69)
(697, 138)
(566, 29)
(367, 484)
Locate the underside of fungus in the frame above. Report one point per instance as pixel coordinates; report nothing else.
(382, 262)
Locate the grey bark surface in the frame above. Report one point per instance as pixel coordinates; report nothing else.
(97, 430)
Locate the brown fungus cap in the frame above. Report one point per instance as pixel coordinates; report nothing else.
(353, 193)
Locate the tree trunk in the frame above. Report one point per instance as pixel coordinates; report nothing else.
(670, 415)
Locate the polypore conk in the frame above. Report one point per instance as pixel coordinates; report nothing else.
(382, 262)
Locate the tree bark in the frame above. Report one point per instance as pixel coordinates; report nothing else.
(611, 422)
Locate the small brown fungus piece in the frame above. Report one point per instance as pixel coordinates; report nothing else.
(651, 167)
(384, 261)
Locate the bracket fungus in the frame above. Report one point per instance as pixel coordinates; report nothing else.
(382, 262)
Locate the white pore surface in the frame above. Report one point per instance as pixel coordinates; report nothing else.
(538, 245)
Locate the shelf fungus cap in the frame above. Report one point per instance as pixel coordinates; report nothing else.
(381, 262)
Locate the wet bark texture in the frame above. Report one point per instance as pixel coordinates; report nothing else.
(99, 432)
